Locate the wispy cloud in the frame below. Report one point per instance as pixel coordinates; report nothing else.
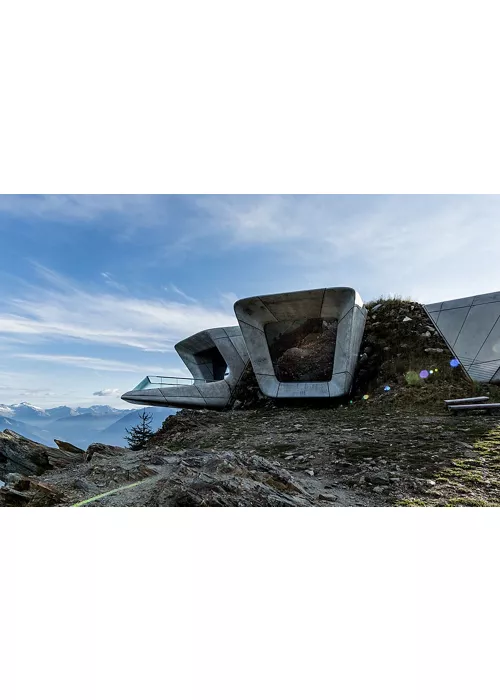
(97, 363)
(178, 291)
(60, 309)
(423, 245)
(142, 209)
(107, 392)
(108, 279)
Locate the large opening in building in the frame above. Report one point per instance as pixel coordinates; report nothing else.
(302, 350)
(212, 364)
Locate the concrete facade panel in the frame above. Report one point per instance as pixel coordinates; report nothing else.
(456, 303)
(486, 298)
(431, 308)
(269, 385)
(490, 350)
(480, 321)
(215, 390)
(254, 312)
(255, 340)
(477, 343)
(450, 322)
(340, 384)
(292, 305)
(303, 390)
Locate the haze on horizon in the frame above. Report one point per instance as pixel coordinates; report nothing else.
(95, 290)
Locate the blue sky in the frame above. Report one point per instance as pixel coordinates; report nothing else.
(96, 289)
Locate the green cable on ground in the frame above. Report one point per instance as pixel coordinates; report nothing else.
(108, 493)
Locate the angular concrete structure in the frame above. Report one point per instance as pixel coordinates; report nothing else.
(216, 358)
(323, 329)
(471, 328)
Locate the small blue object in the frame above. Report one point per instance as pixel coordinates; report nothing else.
(454, 363)
(387, 388)
(424, 374)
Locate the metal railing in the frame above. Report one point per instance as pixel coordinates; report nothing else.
(152, 382)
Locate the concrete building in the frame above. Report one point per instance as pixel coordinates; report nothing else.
(471, 329)
(265, 320)
(300, 344)
(216, 359)
(306, 345)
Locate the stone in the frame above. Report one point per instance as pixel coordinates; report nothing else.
(379, 478)
(380, 489)
(16, 481)
(23, 456)
(82, 485)
(68, 447)
(434, 350)
(13, 497)
(327, 497)
(406, 319)
(44, 494)
(310, 472)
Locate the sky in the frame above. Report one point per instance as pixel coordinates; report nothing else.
(95, 290)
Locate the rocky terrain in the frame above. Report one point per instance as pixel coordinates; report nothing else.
(391, 443)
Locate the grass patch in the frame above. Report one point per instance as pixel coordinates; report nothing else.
(411, 503)
(470, 503)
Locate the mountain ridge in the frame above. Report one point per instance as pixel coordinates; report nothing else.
(80, 426)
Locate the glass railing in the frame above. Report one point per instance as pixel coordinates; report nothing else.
(154, 382)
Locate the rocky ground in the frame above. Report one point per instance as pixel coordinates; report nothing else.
(353, 456)
(391, 448)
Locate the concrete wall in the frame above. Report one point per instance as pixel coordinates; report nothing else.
(341, 303)
(471, 328)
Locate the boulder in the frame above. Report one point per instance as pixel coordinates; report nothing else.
(68, 447)
(28, 458)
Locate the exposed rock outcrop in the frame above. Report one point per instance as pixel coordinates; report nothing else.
(21, 455)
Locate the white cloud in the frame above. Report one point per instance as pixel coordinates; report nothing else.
(140, 209)
(59, 309)
(97, 363)
(107, 392)
(433, 247)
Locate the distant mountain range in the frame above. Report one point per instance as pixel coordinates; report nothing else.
(80, 426)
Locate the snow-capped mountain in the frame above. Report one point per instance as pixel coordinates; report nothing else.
(25, 411)
(101, 410)
(6, 411)
(61, 412)
(80, 426)
(32, 415)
